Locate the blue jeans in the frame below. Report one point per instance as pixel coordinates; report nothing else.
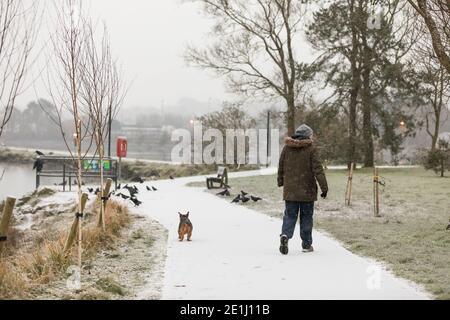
(306, 221)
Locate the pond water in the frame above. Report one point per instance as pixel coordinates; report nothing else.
(17, 180)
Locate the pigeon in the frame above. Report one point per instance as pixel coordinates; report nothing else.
(171, 177)
(237, 199)
(245, 199)
(244, 193)
(39, 153)
(154, 189)
(90, 190)
(255, 199)
(224, 193)
(148, 188)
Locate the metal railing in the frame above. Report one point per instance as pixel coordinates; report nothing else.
(66, 168)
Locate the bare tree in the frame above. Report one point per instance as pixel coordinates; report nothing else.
(254, 48)
(435, 89)
(436, 16)
(18, 28)
(64, 83)
(102, 93)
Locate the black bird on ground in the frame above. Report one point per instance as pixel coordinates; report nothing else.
(237, 199)
(148, 188)
(124, 197)
(39, 153)
(97, 191)
(255, 199)
(224, 193)
(137, 179)
(244, 193)
(245, 199)
(171, 177)
(119, 186)
(132, 190)
(136, 202)
(90, 190)
(154, 189)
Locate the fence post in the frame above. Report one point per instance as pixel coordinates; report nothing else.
(348, 191)
(376, 194)
(73, 230)
(6, 219)
(104, 198)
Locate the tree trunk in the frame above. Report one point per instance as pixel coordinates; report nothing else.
(290, 115)
(367, 120)
(356, 83)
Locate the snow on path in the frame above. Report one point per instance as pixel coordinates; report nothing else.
(234, 254)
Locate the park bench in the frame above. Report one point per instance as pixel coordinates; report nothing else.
(65, 168)
(221, 179)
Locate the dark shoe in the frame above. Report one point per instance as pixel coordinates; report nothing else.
(284, 244)
(310, 249)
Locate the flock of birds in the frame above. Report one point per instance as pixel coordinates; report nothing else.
(243, 196)
(132, 195)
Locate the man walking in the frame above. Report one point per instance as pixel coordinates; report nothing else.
(298, 170)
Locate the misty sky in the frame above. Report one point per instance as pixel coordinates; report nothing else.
(149, 37)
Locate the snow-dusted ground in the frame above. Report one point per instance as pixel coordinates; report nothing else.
(234, 254)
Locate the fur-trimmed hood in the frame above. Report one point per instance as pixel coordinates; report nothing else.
(295, 143)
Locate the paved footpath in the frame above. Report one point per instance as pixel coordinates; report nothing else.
(234, 254)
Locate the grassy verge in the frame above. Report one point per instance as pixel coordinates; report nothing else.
(410, 236)
(27, 266)
(132, 169)
(16, 156)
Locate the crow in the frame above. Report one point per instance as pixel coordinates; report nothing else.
(39, 153)
(90, 190)
(132, 190)
(136, 202)
(137, 179)
(154, 189)
(97, 191)
(245, 199)
(237, 199)
(38, 165)
(124, 196)
(148, 188)
(224, 193)
(171, 177)
(255, 199)
(244, 193)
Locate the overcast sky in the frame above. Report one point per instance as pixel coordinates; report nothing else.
(149, 37)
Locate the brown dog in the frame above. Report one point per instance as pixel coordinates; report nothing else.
(185, 227)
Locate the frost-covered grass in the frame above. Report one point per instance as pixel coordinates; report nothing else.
(410, 235)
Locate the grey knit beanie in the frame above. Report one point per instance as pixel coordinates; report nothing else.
(303, 132)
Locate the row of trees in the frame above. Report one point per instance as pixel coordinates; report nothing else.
(82, 78)
(384, 62)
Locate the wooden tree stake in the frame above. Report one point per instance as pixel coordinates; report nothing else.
(6, 219)
(376, 193)
(74, 229)
(101, 216)
(348, 191)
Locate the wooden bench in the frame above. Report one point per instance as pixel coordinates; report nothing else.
(221, 179)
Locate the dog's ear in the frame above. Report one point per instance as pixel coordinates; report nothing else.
(179, 213)
(187, 214)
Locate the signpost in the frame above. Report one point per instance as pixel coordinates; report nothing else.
(122, 147)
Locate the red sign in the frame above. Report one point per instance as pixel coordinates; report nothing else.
(122, 145)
